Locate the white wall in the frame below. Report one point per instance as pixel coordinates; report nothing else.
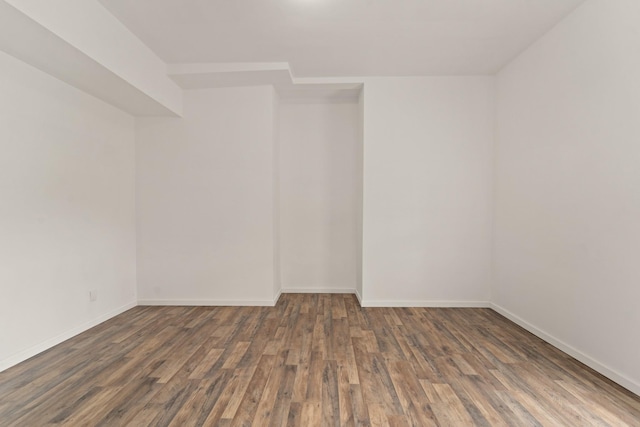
(360, 192)
(567, 188)
(66, 212)
(427, 190)
(205, 200)
(318, 196)
(275, 183)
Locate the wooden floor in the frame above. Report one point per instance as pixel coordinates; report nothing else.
(311, 360)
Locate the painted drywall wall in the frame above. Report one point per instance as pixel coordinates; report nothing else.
(66, 214)
(427, 190)
(318, 196)
(275, 182)
(360, 193)
(567, 234)
(205, 200)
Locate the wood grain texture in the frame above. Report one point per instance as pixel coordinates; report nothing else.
(313, 360)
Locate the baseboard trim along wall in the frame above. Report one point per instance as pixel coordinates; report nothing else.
(426, 304)
(277, 297)
(359, 297)
(208, 302)
(571, 351)
(52, 342)
(318, 290)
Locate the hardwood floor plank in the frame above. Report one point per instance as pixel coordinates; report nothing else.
(227, 405)
(196, 410)
(247, 407)
(311, 414)
(282, 404)
(294, 417)
(268, 399)
(378, 416)
(206, 363)
(90, 409)
(529, 399)
(314, 380)
(448, 407)
(345, 399)
(129, 401)
(471, 396)
(330, 395)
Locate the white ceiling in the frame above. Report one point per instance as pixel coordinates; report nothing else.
(322, 38)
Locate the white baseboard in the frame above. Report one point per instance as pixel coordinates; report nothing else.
(318, 290)
(208, 303)
(571, 351)
(277, 297)
(427, 304)
(359, 297)
(46, 345)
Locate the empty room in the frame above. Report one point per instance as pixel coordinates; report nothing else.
(320, 213)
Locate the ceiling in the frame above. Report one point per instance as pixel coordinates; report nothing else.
(325, 38)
